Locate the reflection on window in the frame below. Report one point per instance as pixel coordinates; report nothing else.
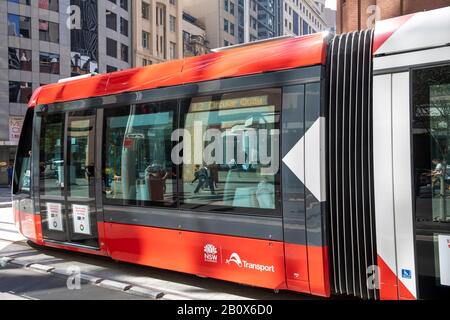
(19, 26)
(48, 31)
(49, 63)
(49, 5)
(51, 163)
(25, 2)
(22, 166)
(19, 59)
(138, 168)
(20, 92)
(432, 136)
(81, 145)
(82, 64)
(232, 158)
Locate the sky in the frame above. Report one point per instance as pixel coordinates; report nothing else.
(330, 4)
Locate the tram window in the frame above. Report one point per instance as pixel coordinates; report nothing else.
(431, 137)
(22, 170)
(137, 166)
(431, 97)
(231, 152)
(51, 163)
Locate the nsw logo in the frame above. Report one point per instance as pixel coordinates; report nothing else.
(210, 253)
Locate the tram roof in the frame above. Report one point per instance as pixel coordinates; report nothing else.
(280, 54)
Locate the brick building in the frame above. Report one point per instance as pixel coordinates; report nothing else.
(361, 14)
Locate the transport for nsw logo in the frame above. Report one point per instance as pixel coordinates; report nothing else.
(210, 253)
(236, 259)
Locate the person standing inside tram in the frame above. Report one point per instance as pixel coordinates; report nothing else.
(436, 173)
(10, 174)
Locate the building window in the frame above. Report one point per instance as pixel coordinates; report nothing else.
(124, 52)
(19, 59)
(111, 20)
(52, 5)
(48, 63)
(232, 8)
(25, 2)
(81, 64)
(226, 5)
(172, 22)
(173, 50)
(138, 168)
(159, 16)
(226, 43)
(110, 69)
(225, 25)
(124, 4)
(305, 28)
(232, 29)
(19, 26)
(48, 31)
(145, 39)
(162, 46)
(124, 26)
(173, 2)
(111, 47)
(20, 92)
(145, 10)
(238, 166)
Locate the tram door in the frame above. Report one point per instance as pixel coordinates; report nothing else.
(431, 137)
(67, 178)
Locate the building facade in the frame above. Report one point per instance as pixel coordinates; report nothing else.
(230, 22)
(194, 36)
(301, 17)
(157, 35)
(42, 41)
(361, 14)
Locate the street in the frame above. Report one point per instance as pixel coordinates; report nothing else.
(18, 280)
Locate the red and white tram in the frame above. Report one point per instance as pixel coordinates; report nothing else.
(315, 164)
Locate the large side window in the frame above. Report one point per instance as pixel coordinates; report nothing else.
(137, 168)
(22, 167)
(230, 152)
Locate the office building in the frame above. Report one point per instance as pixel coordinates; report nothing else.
(42, 41)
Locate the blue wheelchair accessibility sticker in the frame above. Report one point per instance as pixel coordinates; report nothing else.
(406, 274)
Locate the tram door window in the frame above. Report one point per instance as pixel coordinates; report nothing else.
(67, 177)
(51, 161)
(431, 136)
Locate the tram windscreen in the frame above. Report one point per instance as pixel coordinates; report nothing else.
(22, 166)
